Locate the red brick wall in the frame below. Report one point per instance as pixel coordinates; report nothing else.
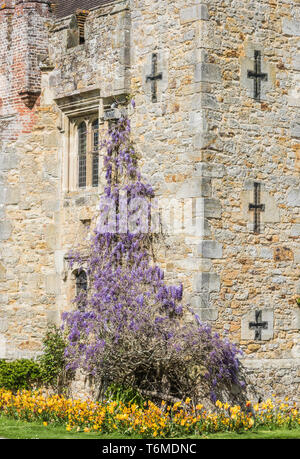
(23, 43)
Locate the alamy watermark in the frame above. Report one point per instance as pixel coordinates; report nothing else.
(144, 215)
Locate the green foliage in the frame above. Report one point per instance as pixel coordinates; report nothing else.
(48, 369)
(19, 374)
(126, 395)
(52, 361)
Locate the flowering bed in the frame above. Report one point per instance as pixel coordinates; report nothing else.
(149, 421)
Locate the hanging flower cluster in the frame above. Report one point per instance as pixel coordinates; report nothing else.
(131, 327)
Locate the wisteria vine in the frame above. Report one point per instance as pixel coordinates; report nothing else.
(130, 327)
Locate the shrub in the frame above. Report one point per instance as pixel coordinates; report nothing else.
(49, 369)
(19, 374)
(52, 362)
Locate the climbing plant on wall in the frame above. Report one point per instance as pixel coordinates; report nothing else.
(131, 328)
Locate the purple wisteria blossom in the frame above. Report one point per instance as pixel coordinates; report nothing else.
(131, 328)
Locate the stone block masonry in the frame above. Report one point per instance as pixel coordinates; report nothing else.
(23, 46)
(217, 123)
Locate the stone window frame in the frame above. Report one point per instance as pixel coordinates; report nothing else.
(75, 108)
(82, 137)
(75, 124)
(70, 278)
(72, 290)
(95, 153)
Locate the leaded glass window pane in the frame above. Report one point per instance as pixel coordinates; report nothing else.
(82, 155)
(95, 153)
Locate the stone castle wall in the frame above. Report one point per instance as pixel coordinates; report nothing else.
(223, 141)
(24, 180)
(256, 141)
(206, 141)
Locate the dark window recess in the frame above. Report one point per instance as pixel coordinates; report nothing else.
(258, 325)
(154, 77)
(82, 155)
(257, 207)
(81, 18)
(81, 282)
(95, 169)
(257, 75)
(95, 153)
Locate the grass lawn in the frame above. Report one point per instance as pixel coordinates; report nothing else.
(10, 428)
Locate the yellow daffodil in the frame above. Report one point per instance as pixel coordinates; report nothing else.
(149, 419)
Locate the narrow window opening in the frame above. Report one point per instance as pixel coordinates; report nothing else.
(81, 282)
(81, 16)
(95, 153)
(82, 155)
